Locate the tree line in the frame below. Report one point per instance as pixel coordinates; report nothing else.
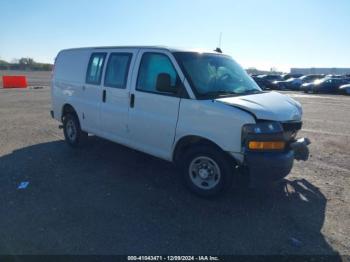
(25, 63)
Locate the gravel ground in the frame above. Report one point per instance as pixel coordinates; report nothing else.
(108, 199)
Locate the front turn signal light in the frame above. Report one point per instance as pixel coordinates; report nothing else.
(263, 145)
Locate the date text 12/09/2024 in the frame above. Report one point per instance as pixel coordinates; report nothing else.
(173, 258)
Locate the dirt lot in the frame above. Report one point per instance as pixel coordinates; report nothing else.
(107, 199)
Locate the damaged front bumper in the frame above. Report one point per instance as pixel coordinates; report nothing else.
(300, 149)
(267, 167)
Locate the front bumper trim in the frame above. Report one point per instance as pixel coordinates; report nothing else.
(267, 167)
(301, 151)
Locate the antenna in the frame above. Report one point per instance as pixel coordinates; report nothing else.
(218, 49)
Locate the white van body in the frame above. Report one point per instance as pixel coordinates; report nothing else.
(153, 122)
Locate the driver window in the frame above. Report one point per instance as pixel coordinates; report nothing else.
(153, 64)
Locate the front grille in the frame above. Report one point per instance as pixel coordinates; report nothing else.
(292, 126)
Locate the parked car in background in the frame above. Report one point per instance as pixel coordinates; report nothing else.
(262, 83)
(326, 85)
(289, 76)
(311, 78)
(294, 83)
(266, 81)
(335, 76)
(285, 84)
(345, 89)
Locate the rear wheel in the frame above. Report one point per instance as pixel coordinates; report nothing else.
(73, 134)
(207, 171)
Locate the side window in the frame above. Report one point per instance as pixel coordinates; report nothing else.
(152, 65)
(117, 70)
(95, 68)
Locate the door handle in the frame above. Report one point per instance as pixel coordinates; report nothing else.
(104, 96)
(132, 100)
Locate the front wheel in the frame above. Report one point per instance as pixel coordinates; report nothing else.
(73, 134)
(207, 171)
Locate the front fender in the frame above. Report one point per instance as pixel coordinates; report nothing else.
(214, 121)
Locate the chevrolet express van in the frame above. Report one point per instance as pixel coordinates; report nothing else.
(199, 110)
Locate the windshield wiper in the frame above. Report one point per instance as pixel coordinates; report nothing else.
(251, 91)
(219, 93)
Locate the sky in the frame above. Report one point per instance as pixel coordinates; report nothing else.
(256, 33)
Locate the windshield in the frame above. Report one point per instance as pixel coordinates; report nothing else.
(214, 75)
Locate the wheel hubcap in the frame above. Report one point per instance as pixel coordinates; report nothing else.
(71, 130)
(204, 172)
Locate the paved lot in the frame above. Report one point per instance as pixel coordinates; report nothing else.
(107, 199)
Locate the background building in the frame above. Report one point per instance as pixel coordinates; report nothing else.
(326, 71)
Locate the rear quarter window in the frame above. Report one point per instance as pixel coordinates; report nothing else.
(95, 68)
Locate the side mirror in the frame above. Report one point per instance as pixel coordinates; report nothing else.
(164, 84)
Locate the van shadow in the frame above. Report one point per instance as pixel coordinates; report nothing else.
(107, 199)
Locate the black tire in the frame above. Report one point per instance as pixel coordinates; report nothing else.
(225, 164)
(70, 121)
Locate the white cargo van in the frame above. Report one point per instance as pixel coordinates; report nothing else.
(199, 110)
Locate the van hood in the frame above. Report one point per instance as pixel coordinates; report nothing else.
(267, 106)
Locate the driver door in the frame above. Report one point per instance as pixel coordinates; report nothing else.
(153, 114)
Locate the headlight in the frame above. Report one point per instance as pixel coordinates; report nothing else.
(263, 136)
(262, 128)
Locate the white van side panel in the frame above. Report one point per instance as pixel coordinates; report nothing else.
(68, 79)
(213, 121)
(71, 65)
